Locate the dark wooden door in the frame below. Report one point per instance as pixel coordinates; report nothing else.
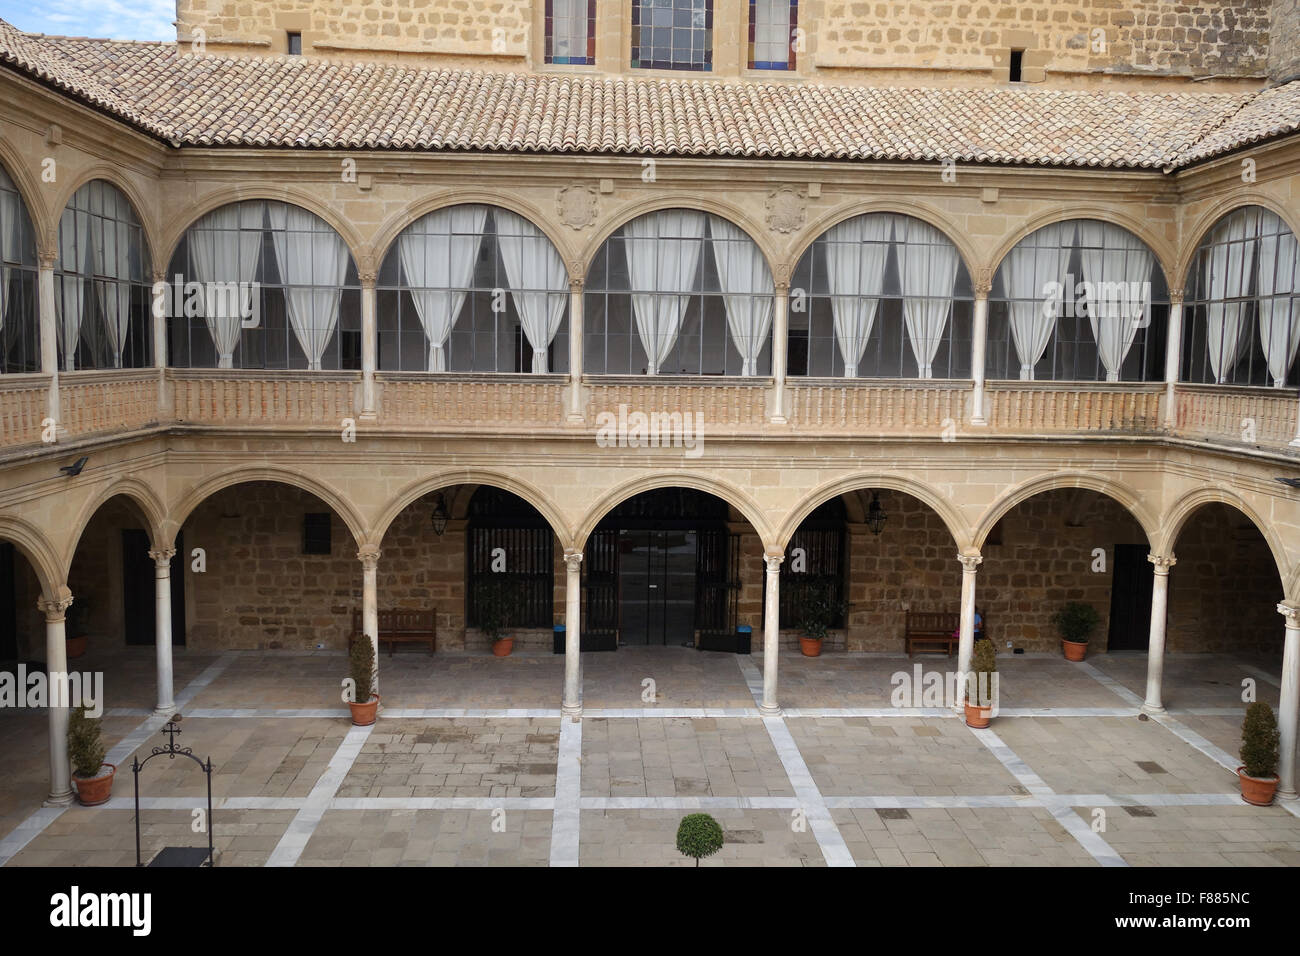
(1132, 576)
(139, 623)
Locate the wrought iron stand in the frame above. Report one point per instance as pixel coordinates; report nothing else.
(171, 750)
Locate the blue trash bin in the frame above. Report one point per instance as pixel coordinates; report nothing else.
(744, 635)
(559, 639)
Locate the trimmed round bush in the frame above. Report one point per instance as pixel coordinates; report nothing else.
(699, 836)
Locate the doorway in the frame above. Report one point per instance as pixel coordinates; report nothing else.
(138, 590)
(1130, 598)
(657, 586)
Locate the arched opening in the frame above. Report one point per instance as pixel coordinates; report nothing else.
(1079, 300)
(473, 288)
(678, 292)
(1241, 319)
(102, 282)
(20, 337)
(260, 284)
(22, 626)
(881, 295)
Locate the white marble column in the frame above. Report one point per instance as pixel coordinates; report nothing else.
(572, 703)
(966, 644)
(369, 558)
(1289, 705)
(780, 348)
(160, 341)
(49, 336)
(1173, 357)
(369, 345)
(978, 346)
(771, 633)
(56, 670)
(162, 585)
(573, 400)
(1154, 703)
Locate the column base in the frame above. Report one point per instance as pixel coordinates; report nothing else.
(1154, 710)
(60, 799)
(1295, 442)
(1287, 795)
(571, 710)
(770, 710)
(368, 417)
(168, 711)
(979, 422)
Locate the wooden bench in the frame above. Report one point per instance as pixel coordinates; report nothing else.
(400, 627)
(931, 631)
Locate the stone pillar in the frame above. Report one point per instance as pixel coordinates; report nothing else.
(978, 342)
(162, 578)
(369, 558)
(1289, 705)
(56, 668)
(780, 348)
(771, 633)
(572, 703)
(1156, 645)
(966, 644)
(49, 336)
(573, 400)
(369, 346)
(160, 304)
(1173, 358)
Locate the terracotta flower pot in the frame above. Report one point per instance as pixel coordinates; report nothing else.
(76, 646)
(810, 646)
(92, 791)
(1075, 650)
(503, 647)
(1257, 791)
(363, 715)
(978, 717)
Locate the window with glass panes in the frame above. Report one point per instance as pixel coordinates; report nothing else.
(20, 349)
(571, 31)
(772, 34)
(672, 34)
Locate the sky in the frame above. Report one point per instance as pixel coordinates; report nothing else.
(114, 19)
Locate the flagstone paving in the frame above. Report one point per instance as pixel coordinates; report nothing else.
(498, 837)
(1203, 836)
(649, 838)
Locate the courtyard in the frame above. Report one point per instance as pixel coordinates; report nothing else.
(471, 763)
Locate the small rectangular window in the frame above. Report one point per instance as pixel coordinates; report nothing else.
(774, 35)
(570, 32)
(295, 44)
(316, 533)
(1017, 65)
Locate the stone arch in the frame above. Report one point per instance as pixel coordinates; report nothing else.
(1036, 486)
(729, 493)
(1208, 219)
(28, 188)
(341, 506)
(476, 476)
(174, 230)
(38, 551)
(145, 500)
(951, 518)
(802, 242)
(1175, 519)
(733, 214)
(138, 202)
(394, 226)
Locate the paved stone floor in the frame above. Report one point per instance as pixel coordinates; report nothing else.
(471, 764)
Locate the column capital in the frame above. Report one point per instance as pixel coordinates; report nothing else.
(162, 557)
(573, 561)
(577, 277)
(983, 283)
(781, 286)
(367, 279)
(46, 258)
(158, 275)
(1176, 296)
(55, 610)
(970, 562)
(1292, 615)
(1162, 562)
(773, 562)
(369, 558)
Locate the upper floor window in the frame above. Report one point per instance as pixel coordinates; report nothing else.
(672, 34)
(19, 328)
(773, 26)
(571, 31)
(294, 44)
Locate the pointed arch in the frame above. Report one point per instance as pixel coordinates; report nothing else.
(139, 204)
(38, 551)
(1205, 223)
(1166, 253)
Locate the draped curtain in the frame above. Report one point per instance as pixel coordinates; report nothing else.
(224, 247)
(313, 261)
(10, 248)
(1228, 267)
(569, 30)
(438, 254)
(663, 253)
(74, 243)
(927, 266)
(1279, 319)
(856, 251)
(747, 289)
(538, 279)
(1036, 261)
(112, 259)
(1112, 256)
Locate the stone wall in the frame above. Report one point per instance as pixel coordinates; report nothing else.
(1284, 44)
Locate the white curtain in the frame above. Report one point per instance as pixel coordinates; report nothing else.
(1036, 261)
(438, 254)
(772, 34)
(10, 216)
(538, 280)
(927, 267)
(224, 247)
(75, 256)
(1279, 317)
(747, 289)
(113, 259)
(1115, 264)
(1231, 258)
(569, 30)
(313, 261)
(856, 251)
(663, 253)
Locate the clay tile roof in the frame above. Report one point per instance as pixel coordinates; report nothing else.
(210, 100)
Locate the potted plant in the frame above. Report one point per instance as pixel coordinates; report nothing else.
(979, 685)
(361, 668)
(92, 777)
(698, 835)
(818, 610)
(76, 626)
(1259, 751)
(1075, 622)
(493, 605)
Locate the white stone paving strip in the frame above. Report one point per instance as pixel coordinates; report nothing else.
(303, 825)
(566, 819)
(1112, 685)
(1189, 736)
(442, 803)
(1099, 849)
(27, 831)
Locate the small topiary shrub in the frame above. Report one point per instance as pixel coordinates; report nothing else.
(494, 604)
(1076, 621)
(818, 610)
(1259, 741)
(84, 746)
(984, 664)
(361, 662)
(699, 835)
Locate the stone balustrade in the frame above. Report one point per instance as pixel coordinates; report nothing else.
(416, 401)
(1250, 416)
(24, 404)
(1038, 408)
(857, 405)
(722, 405)
(262, 398)
(120, 400)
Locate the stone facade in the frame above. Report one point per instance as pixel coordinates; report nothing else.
(1284, 46)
